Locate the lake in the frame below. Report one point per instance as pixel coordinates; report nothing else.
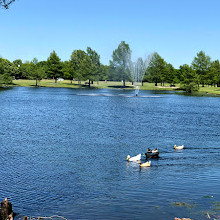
(63, 152)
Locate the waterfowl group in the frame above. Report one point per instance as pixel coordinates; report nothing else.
(138, 159)
(150, 154)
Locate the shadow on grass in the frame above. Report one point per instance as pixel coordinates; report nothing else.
(121, 87)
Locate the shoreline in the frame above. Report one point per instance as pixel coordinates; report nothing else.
(203, 91)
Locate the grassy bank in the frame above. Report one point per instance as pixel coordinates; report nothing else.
(107, 85)
(98, 85)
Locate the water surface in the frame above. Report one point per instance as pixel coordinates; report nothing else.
(63, 151)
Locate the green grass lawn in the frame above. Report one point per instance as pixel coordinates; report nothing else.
(210, 90)
(107, 85)
(84, 84)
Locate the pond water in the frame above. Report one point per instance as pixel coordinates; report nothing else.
(63, 152)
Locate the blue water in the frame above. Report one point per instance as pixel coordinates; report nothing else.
(63, 152)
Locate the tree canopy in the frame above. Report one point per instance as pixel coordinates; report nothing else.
(7, 70)
(119, 65)
(54, 66)
(201, 65)
(189, 78)
(156, 69)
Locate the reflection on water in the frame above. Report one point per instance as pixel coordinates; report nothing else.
(64, 152)
(119, 95)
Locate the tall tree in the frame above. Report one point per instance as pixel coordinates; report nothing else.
(54, 69)
(170, 74)
(214, 73)
(188, 78)
(93, 65)
(103, 74)
(18, 63)
(201, 65)
(36, 71)
(68, 71)
(156, 69)
(7, 70)
(25, 69)
(79, 64)
(119, 64)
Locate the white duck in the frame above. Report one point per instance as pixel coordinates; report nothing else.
(146, 164)
(178, 147)
(135, 158)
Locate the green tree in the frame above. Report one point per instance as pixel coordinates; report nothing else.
(79, 64)
(68, 71)
(54, 69)
(119, 65)
(25, 69)
(170, 74)
(188, 78)
(156, 69)
(93, 65)
(7, 70)
(36, 71)
(214, 73)
(103, 72)
(18, 63)
(201, 65)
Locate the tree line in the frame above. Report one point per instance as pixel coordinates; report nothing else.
(86, 66)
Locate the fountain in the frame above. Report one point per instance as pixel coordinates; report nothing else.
(137, 70)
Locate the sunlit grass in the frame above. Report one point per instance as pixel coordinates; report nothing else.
(210, 89)
(99, 85)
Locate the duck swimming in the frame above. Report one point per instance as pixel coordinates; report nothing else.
(135, 158)
(178, 147)
(146, 164)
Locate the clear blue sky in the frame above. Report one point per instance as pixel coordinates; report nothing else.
(176, 29)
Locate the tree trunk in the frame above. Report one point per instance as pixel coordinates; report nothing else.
(36, 83)
(142, 83)
(55, 80)
(124, 82)
(89, 83)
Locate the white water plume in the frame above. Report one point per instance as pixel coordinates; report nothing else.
(137, 70)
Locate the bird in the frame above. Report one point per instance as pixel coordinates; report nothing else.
(135, 158)
(178, 147)
(146, 164)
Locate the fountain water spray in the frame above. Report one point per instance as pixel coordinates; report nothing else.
(138, 70)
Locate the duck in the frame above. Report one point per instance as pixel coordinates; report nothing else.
(152, 153)
(146, 164)
(135, 158)
(178, 147)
